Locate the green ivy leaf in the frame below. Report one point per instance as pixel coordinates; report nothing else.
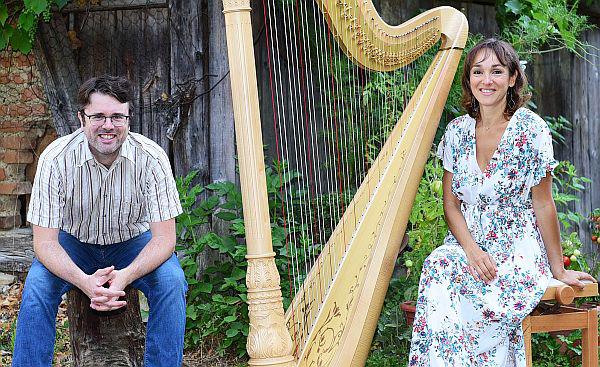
(232, 332)
(191, 312)
(228, 216)
(230, 318)
(3, 13)
(231, 300)
(205, 287)
(5, 35)
(20, 41)
(238, 274)
(36, 6)
(26, 21)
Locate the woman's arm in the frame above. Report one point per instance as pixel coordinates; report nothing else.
(547, 222)
(481, 264)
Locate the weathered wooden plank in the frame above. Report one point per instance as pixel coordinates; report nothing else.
(482, 19)
(59, 74)
(130, 61)
(222, 128)
(569, 86)
(96, 56)
(579, 152)
(113, 5)
(189, 79)
(16, 250)
(148, 65)
(592, 93)
(188, 101)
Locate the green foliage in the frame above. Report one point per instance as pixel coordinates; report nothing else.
(18, 23)
(531, 24)
(557, 126)
(426, 225)
(7, 335)
(217, 312)
(571, 245)
(559, 350)
(595, 224)
(391, 342)
(566, 185)
(216, 301)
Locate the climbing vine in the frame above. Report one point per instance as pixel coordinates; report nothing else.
(539, 26)
(19, 20)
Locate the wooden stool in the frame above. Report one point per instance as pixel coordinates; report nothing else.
(561, 317)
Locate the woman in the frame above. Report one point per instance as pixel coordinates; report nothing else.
(504, 240)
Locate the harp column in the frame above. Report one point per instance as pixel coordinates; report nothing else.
(269, 342)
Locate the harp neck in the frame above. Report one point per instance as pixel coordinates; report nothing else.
(372, 43)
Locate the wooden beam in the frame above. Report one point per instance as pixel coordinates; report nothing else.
(73, 7)
(190, 127)
(59, 73)
(16, 250)
(559, 322)
(590, 290)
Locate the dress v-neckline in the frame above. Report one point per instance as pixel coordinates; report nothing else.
(496, 151)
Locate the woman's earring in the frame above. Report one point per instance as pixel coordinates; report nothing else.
(511, 101)
(474, 104)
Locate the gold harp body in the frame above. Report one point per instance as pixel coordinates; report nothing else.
(347, 313)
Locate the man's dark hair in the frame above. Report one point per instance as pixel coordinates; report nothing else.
(114, 86)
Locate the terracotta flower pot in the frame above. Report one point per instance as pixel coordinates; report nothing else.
(409, 308)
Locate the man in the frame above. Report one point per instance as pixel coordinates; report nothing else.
(102, 210)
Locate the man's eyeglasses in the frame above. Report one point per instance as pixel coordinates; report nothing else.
(99, 119)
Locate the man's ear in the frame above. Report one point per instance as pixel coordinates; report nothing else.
(80, 117)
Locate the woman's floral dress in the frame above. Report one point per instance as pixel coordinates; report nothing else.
(461, 321)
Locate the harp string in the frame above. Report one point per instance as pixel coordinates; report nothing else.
(313, 148)
(328, 125)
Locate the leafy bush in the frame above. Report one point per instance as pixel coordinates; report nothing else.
(566, 185)
(217, 311)
(19, 20)
(426, 227)
(530, 25)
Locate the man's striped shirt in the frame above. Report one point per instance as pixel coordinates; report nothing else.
(74, 192)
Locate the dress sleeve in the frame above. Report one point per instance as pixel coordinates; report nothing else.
(444, 149)
(542, 160)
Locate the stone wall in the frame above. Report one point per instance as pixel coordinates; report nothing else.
(25, 129)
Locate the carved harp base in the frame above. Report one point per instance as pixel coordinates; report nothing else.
(269, 342)
(279, 362)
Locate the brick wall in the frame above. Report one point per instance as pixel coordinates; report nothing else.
(25, 129)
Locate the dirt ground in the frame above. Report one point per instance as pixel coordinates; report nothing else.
(10, 296)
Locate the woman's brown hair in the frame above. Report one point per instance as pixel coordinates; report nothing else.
(516, 96)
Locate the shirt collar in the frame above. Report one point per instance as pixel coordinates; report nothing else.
(85, 154)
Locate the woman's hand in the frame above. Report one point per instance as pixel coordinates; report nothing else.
(481, 265)
(574, 278)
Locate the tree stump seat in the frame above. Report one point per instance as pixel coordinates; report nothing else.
(557, 313)
(99, 339)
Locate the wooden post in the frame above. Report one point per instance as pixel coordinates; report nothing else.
(59, 74)
(527, 340)
(100, 339)
(589, 340)
(269, 342)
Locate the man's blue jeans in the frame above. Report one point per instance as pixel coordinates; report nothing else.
(165, 289)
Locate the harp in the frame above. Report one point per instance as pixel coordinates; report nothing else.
(332, 317)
